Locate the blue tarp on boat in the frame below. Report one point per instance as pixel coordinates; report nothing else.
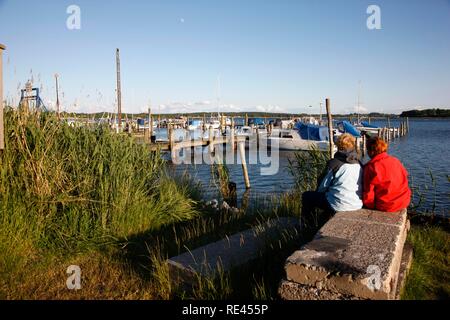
(194, 122)
(312, 132)
(348, 128)
(256, 121)
(368, 125)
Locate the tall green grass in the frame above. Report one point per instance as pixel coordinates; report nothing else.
(65, 188)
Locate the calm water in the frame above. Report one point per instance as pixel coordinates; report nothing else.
(426, 149)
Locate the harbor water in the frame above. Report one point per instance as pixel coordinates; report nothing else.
(425, 152)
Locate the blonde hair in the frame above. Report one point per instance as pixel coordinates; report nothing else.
(346, 142)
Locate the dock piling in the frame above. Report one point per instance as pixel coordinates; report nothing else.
(244, 164)
(330, 127)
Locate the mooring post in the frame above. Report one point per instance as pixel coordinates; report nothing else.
(389, 127)
(357, 145)
(244, 164)
(364, 145)
(2, 126)
(330, 127)
(171, 137)
(232, 140)
(211, 139)
(150, 123)
(407, 124)
(246, 119)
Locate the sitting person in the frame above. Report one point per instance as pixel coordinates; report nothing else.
(341, 187)
(385, 179)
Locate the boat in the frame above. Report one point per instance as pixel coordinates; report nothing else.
(347, 127)
(194, 124)
(302, 137)
(367, 127)
(215, 124)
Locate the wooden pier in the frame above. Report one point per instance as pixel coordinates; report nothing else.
(236, 142)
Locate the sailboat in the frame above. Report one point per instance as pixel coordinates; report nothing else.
(304, 136)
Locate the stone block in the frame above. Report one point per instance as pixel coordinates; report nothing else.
(233, 251)
(355, 254)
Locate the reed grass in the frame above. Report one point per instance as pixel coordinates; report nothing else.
(66, 190)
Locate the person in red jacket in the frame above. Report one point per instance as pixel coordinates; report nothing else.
(385, 179)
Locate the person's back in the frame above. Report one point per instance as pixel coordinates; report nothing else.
(385, 180)
(343, 183)
(340, 186)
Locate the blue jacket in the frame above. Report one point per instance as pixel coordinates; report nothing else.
(342, 183)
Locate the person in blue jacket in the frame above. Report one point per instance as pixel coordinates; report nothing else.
(341, 187)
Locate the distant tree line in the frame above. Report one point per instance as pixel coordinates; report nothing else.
(431, 113)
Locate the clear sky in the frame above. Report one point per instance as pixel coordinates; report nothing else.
(269, 55)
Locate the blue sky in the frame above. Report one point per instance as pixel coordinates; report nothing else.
(269, 55)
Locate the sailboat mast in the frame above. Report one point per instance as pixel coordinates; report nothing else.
(359, 100)
(218, 96)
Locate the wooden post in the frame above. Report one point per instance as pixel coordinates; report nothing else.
(257, 138)
(204, 122)
(246, 119)
(2, 127)
(330, 127)
(119, 91)
(171, 137)
(232, 136)
(407, 124)
(211, 139)
(364, 145)
(389, 129)
(150, 124)
(244, 164)
(358, 145)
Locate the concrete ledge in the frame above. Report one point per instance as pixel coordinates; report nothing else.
(236, 250)
(405, 265)
(294, 291)
(354, 254)
(289, 290)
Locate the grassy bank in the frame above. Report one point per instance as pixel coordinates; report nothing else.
(102, 201)
(66, 192)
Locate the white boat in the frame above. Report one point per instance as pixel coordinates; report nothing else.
(215, 124)
(314, 138)
(194, 124)
(245, 131)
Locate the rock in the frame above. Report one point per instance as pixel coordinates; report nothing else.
(225, 206)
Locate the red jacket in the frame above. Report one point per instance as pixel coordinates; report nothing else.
(386, 184)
